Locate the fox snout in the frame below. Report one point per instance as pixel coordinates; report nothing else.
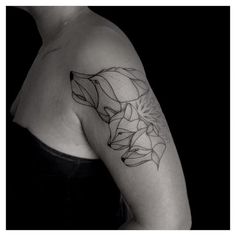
(121, 139)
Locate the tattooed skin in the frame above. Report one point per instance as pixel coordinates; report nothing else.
(124, 101)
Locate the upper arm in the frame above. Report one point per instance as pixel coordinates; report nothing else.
(124, 124)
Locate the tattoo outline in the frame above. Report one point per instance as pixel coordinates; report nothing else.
(132, 126)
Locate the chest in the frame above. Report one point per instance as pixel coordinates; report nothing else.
(45, 91)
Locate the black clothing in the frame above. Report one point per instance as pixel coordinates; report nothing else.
(47, 189)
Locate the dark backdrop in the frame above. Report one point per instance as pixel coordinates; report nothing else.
(185, 52)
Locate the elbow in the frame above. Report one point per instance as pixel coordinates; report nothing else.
(182, 224)
(178, 220)
(185, 219)
(188, 223)
(178, 223)
(181, 220)
(179, 217)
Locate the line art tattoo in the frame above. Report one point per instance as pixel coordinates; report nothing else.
(123, 100)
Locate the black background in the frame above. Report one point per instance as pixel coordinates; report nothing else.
(185, 53)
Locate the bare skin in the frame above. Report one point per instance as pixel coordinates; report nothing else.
(43, 104)
(86, 77)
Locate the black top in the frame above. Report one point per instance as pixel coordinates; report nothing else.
(47, 189)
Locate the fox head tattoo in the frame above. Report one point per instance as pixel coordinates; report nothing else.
(141, 139)
(129, 131)
(105, 91)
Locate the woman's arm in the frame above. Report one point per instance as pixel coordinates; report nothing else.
(124, 124)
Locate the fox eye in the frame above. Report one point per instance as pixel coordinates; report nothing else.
(119, 133)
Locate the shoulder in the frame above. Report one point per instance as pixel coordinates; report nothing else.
(103, 45)
(105, 65)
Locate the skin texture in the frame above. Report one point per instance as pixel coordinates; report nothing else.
(87, 95)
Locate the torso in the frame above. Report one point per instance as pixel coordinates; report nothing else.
(44, 103)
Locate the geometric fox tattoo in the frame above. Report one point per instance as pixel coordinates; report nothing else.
(134, 123)
(141, 139)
